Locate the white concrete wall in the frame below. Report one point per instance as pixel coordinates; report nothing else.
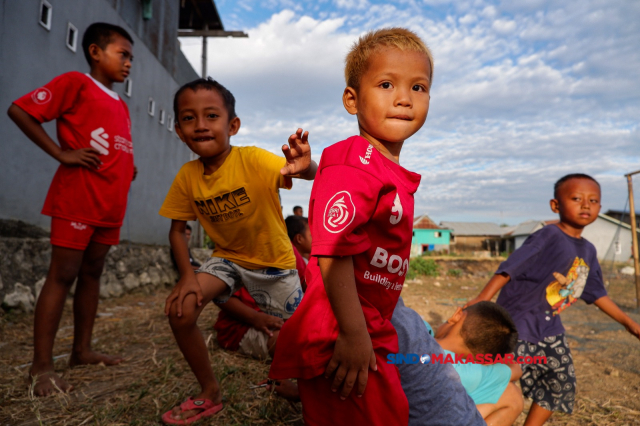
(603, 234)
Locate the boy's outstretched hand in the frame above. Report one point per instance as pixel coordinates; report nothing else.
(352, 357)
(298, 154)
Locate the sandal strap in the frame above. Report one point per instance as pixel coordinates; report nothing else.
(196, 404)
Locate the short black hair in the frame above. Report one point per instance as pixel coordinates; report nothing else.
(489, 329)
(187, 226)
(563, 179)
(295, 225)
(101, 33)
(208, 84)
(296, 208)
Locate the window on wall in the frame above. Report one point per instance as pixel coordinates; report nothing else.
(151, 109)
(437, 234)
(45, 14)
(128, 86)
(72, 37)
(162, 116)
(170, 123)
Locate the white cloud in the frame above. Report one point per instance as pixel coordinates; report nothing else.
(522, 95)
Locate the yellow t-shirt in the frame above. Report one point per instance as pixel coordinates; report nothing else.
(238, 206)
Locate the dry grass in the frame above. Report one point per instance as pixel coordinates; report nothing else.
(152, 380)
(155, 376)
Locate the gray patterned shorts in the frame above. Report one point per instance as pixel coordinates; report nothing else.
(552, 385)
(276, 291)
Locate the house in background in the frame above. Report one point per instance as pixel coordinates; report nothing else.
(623, 216)
(41, 39)
(428, 236)
(469, 237)
(611, 237)
(514, 236)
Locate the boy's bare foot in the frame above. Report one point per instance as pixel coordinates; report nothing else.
(91, 357)
(47, 383)
(177, 414)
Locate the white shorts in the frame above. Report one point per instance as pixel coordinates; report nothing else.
(276, 291)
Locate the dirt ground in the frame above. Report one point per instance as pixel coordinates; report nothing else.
(155, 376)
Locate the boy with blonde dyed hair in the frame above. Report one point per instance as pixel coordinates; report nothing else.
(361, 215)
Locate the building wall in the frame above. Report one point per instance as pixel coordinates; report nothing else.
(428, 236)
(30, 56)
(462, 244)
(604, 234)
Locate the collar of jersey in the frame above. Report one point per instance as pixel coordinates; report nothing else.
(109, 92)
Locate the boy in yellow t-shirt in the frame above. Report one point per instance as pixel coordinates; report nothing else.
(233, 191)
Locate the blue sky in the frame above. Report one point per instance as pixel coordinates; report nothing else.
(523, 93)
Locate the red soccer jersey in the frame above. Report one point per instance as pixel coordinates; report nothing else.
(361, 206)
(87, 115)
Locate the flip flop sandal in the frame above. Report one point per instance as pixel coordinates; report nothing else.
(208, 407)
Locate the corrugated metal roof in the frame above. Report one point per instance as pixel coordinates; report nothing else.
(473, 228)
(527, 228)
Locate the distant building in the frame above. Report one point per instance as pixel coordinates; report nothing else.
(611, 237)
(514, 236)
(468, 237)
(41, 39)
(427, 236)
(623, 216)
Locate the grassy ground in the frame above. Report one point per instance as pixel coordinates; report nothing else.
(155, 376)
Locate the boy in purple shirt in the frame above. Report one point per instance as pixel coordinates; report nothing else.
(554, 268)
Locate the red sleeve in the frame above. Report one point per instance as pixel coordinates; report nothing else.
(345, 198)
(301, 265)
(53, 99)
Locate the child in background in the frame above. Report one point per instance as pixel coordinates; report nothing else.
(553, 269)
(87, 198)
(195, 265)
(361, 217)
(233, 191)
(300, 236)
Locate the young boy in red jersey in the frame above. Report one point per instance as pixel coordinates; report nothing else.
(361, 216)
(233, 192)
(88, 195)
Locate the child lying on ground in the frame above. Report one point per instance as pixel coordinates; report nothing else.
(552, 270)
(442, 394)
(233, 192)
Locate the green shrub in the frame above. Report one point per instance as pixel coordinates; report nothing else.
(455, 272)
(421, 266)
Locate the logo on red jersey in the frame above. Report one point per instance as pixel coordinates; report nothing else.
(99, 141)
(367, 155)
(339, 212)
(79, 226)
(397, 208)
(41, 95)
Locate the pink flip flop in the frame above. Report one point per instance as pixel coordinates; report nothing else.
(208, 407)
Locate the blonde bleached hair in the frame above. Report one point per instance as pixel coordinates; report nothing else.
(361, 51)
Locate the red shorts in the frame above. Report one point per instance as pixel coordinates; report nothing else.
(76, 235)
(382, 404)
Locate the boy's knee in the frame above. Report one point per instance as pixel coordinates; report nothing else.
(513, 397)
(189, 315)
(64, 274)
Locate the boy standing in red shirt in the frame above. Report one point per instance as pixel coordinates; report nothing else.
(361, 216)
(88, 195)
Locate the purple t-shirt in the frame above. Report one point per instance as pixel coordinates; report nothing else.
(548, 274)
